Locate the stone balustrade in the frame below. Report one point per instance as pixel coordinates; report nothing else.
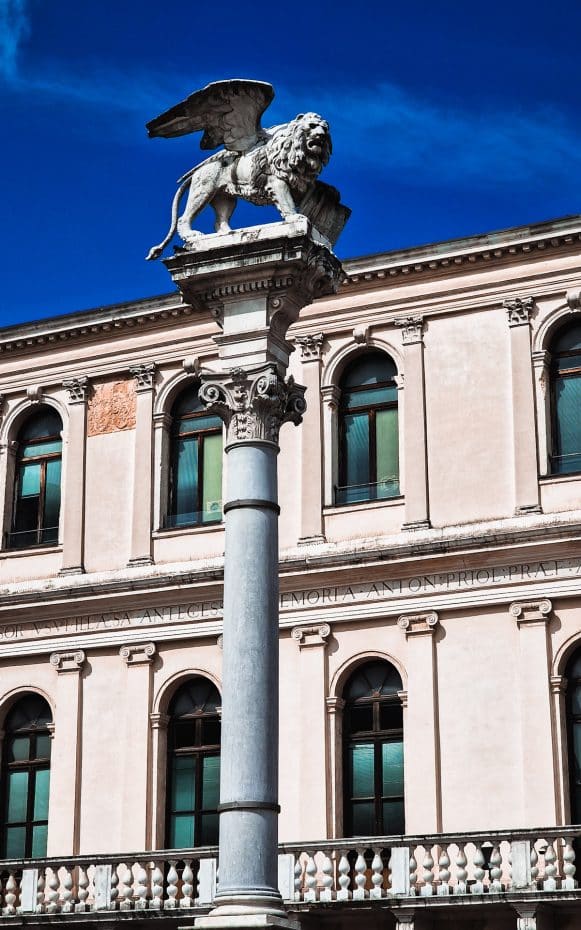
(395, 869)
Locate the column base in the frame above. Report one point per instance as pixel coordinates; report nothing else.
(139, 561)
(73, 570)
(527, 508)
(244, 922)
(311, 540)
(417, 525)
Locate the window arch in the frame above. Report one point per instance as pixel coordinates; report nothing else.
(25, 778)
(37, 489)
(368, 430)
(566, 399)
(373, 751)
(195, 494)
(193, 774)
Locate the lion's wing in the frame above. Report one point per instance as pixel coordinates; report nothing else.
(228, 113)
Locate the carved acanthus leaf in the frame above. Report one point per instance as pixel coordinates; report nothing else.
(310, 345)
(144, 375)
(412, 329)
(518, 310)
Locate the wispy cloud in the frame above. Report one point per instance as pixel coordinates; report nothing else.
(14, 28)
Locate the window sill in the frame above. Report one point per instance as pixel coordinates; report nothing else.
(560, 479)
(363, 505)
(48, 549)
(192, 530)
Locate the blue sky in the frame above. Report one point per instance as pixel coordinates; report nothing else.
(448, 119)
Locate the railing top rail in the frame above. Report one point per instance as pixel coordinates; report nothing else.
(148, 855)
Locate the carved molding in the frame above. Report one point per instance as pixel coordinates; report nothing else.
(361, 335)
(310, 345)
(144, 376)
(308, 636)
(331, 394)
(412, 329)
(253, 404)
(418, 624)
(138, 654)
(159, 721)
(531, 611)
(541, 362)
(403, 696)
(335, 704)
(68, 661)
(34, 394)
(220, 642)
(77, 389)
(518, 310)
(573, 299)
(558, 684)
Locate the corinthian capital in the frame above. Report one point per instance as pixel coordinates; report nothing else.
(253, 403)
(310, 345)
(518, 310)
(412, 329)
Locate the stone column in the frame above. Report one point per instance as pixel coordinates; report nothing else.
(538, 772)
(312, 788)
(311, 442)
(422, 729)
(65, 763)
(526, 480)
(141, 526)
(135, 819)
(415, 457)
(255, 286)
(73, 482)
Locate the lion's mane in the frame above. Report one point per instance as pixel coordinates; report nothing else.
(289, 157)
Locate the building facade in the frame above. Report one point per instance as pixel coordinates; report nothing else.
(430, 598)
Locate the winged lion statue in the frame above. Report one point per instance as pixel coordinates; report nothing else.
(278, 166)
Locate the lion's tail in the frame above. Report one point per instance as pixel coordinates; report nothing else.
(156, 251)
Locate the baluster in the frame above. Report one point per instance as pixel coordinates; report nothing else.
(126, 889)
(142, 889)
(156, 887)
(188, 885)
(51, 892)
(550, 882)
(360, 870)
(114, 886)
(534, 866)
(479, 862)
(82, 890)
(40, 892)
(67, 896)
(311, 880)
(344, 868)
(413, 873)
(376, 876)
(569, 867)
(495, 886)
(172, 886)
(10, 895)
(461, 870)
(326, 893)
(427, 888)
(298, 878)
(444, 872)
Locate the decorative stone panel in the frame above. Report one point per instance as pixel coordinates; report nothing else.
(418, 624)
(112, 407)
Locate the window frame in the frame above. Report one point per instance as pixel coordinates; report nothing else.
(198, 436)
(557, 375)
(572, 720)
(42, 460)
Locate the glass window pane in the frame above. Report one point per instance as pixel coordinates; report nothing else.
(181, 831)
(186, 479)
(30, 480)
(184, 734)
(211, 732)
(363, 819)
(15, 842)
(370, 368)
(41, 794)
(211, 782)
(362, 770)
(39, 835)
(387, 454)
(568, 425)
(392, 763)
(568, 338)
(577, 751)
(43, 744)
(391, 717)
(360, 718)
(199, 423)
(44, 423)
(209, 833)
(356, 448)
(17, 796)
(19, 750)
(368, 397)
(212, 477)
(393, 817)
(52, 500)
(183, 783)
(36, 449)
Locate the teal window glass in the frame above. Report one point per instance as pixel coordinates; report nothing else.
(37, 495)
(566, 399)
(26, 778)
(573, 709)
(195, 463)
(193, 765)
(368, 430)
(373, 752)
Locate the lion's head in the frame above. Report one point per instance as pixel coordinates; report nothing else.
(299, 150)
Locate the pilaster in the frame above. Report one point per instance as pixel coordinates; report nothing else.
(311, 495)
(158, 724)
(415, 457)
(135, 805)
(142, 510)
(422, 735)
(526, 482)
(335, 707)
(73, 498)
(330, 396)
(542, 380)
(558, 687)
(66, 756)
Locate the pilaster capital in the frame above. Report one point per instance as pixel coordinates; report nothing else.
(526, 612)
(518, 310)
(144, 375)
(308, 636)
(412, 329)
(335, 705)
(541, 358)
(159, 721)
(253, 403)
(68, 661)
(558, 684)
(310, 346)
(331, 394)
(138, 654)
(77, 389)
(418, 624)
(162, 420)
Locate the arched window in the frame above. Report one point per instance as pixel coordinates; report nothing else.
(25, 778)
(566, 399)
(193, 780)
(373, 752)
(37, 494)
(368, 430)
(573, 704)
(195, 463)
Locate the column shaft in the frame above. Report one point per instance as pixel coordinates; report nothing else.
(526, 481)
(141, 524)
(65, 767)
(415, 484)
(135, 807)
(74, 483)
(311, 442)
